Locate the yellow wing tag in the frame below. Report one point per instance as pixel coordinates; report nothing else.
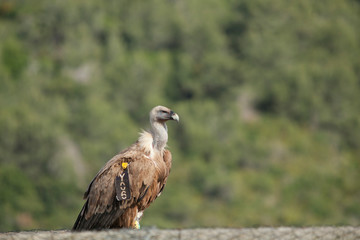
(124, 165)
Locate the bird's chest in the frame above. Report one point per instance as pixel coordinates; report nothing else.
(162, 171)
(160, 167)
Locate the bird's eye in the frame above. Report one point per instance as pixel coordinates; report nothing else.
(163, 111)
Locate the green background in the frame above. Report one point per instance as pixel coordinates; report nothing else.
(268, 94)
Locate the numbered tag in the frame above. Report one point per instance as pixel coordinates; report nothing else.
(122, 185)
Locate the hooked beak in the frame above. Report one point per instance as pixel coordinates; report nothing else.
(174, 116)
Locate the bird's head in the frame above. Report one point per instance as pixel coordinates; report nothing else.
(162, 114)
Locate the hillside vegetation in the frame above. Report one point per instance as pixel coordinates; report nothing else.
(268, 94)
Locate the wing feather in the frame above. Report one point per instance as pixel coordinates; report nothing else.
(157, 183)
(168, 163)
(101, 208)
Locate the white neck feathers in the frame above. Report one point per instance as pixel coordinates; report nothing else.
(146, 141)
(155, 140)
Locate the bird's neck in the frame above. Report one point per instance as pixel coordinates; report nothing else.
(159, 134)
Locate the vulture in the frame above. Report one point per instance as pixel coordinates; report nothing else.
(130, 181)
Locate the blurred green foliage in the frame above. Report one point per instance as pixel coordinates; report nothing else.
(267, 92)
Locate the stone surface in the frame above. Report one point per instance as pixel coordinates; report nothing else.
(281, 233)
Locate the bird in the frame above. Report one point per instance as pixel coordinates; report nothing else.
(130, 181)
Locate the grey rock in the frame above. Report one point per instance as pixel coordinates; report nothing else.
(264, 233)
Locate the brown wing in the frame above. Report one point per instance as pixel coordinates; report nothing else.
(158, 184)
(151, 193)
(101, 208)
(167, 160)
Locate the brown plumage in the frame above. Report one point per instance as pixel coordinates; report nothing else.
(147, 164)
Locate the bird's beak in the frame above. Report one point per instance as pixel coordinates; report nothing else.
(174, 116)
